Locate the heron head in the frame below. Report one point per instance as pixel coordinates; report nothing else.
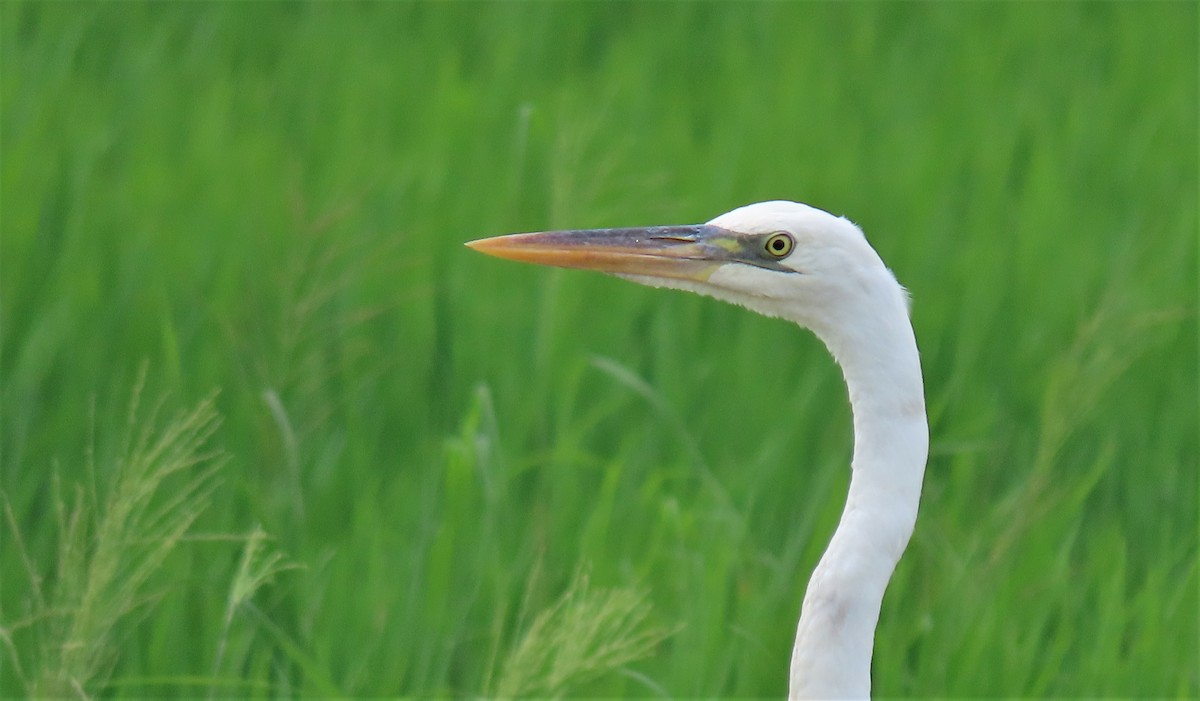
(778, 258)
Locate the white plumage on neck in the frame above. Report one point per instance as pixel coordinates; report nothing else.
(836, 633)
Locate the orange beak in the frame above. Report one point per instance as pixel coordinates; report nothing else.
(678, 252)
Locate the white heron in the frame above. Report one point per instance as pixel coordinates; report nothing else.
(794, 261)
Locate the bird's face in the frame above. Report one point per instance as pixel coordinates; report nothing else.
(777, 258)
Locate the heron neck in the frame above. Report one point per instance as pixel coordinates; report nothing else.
(836, 633)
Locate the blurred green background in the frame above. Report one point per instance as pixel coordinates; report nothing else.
(464, 468)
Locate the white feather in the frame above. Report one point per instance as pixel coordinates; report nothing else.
(844, 293)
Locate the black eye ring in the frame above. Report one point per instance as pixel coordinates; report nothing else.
(779, 245)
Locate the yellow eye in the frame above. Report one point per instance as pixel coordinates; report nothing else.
(780, 245)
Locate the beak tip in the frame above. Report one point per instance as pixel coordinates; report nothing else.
(498, 246)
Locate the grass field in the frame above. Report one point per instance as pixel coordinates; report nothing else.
(268, 429)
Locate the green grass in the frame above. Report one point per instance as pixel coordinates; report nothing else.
(422, 447)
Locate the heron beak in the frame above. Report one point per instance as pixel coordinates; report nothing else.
(679, 252)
